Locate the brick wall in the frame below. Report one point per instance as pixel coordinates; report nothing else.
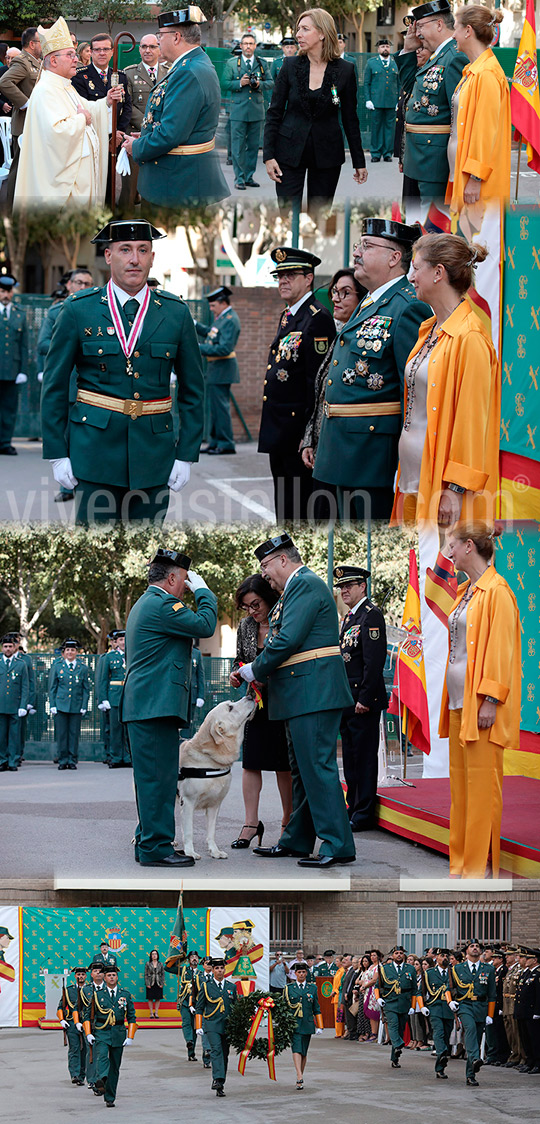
(259, 311)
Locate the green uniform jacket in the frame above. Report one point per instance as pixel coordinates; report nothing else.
(246, 104)
(14, 690)
(73, 1003)
(105, 958)
(140, 87)
(183, 109)
(219, 342)
(29, 664)
(397, 988)
(324, 969)
(110, 677)
(306, 998)
(187, 986)
(381, 83)
(304, 618)
(276, 67)
(106, 447)
(44, 342)
(473, 991)
(13, 344)
(87, 992)
(436, 985)
(215, 1005)
(69, 687)
(113, 1031)
(368, 369)
(430, 104)
(159, 632)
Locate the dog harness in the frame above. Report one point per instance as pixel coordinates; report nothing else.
(202, 774)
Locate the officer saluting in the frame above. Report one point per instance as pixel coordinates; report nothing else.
(217, 345)
(306, 330)
(69, 692)
(214, 1003)
(362, 418)
(363, 647)
(118, 437)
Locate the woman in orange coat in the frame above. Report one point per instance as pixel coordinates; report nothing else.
(449, 444)
(480, 139)
(481, 700)
(336, 998)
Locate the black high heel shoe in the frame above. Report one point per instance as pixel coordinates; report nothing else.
(243, 844)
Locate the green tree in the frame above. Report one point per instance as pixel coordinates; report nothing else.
(32, 563)
(109, 12)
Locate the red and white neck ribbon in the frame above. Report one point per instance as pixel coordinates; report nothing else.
(127, 345)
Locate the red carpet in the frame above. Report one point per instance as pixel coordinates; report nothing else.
(422, 814)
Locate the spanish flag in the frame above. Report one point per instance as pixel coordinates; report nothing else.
(178, 943)
(409, 695)
(440, 587)
(524, 94)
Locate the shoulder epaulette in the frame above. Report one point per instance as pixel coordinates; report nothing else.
(169, 296)
(313, 310)
(84, 293)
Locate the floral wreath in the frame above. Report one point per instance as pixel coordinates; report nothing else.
(242, 1016)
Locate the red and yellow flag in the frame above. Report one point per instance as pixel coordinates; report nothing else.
(524, 93)
(440, 590)
(409, 695)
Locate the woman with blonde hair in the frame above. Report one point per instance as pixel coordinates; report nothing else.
(481, 699)
(449, 445)
(84, 52)
(302, 133)
(481, 131)
(336, 998)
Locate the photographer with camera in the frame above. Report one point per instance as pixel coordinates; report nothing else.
(279, 971)
(243, 79)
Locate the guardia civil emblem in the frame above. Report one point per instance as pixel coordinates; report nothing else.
(321, 345)
(280, 255)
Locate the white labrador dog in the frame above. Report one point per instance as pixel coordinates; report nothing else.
(205, 768)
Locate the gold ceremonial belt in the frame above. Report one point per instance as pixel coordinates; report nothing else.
(364, 410)
(116, 683)
(130, 406)
(192, 149)
(216, 358)
(427, 129)
(313, 654)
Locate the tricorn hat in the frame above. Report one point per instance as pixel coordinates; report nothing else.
(182, 15)
(272, 546)
(389, 228)
(127, 230)
(174, 556)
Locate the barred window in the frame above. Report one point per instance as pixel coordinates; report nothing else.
(487, 921)
(286, 925)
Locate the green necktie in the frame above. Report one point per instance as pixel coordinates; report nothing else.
(130, 311)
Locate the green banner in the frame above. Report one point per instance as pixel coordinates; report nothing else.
(520, 407)
(517, 559)
(64, 938)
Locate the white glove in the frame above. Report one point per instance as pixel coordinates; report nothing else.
(411, 1011)
(489, 1020)
(122, 163)
(31, 709)
(173, 378)
(63, 473)
(64, 1024)
(381, 1003)
(179, 477)
(246, 673)
(53, 710)
(127, 1042)
(21, 379)
(195, 582)
(22, 712)
(425, 1011)
(536, 1017)
(192, 1010)
(79, 1027)
(453, 1005)
(318, 1030)
(105, 705)
(369, 105)
(83, 711)
(199, 703)
(199, 1033)
(90, 1039)
(40, 376)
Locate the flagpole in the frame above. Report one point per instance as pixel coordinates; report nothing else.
(518, 165)
(405, 743)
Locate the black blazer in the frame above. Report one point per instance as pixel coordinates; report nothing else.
(289, 120)
(89, 85)
(363, 647)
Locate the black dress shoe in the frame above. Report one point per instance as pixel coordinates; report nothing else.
(4, 768)
(99, 1087)
(472, 1081)
(240, 187)
(535, 1069)
(229, 162)
(362, 826)
(388, 159)
(396, 1065)
(72, 765)
(208, 449)
(63, 497)
(214, 1085)
(220, 1091)
(8, 451)
(252, 183)
(442, 1076)
(375, 159)
(221, 452)
(62, 767)
(12, 768)
(325, 861)
(477, 1064)
(277, 852)
(172, 860)
(110, 1104)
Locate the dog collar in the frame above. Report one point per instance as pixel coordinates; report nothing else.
(202, 774)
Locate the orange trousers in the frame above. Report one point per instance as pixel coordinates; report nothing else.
(476, 775)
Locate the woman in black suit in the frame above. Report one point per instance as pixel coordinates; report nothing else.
(303, 130)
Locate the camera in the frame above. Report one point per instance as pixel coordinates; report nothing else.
(253, 82)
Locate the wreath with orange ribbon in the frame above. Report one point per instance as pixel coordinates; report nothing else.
(244, 1021)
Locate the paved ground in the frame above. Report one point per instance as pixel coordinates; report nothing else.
(77, 828)
(347, 1081)
(236, 488)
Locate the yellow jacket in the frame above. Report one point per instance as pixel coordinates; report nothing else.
(493, 661)
(483, 132)
(463, 415)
